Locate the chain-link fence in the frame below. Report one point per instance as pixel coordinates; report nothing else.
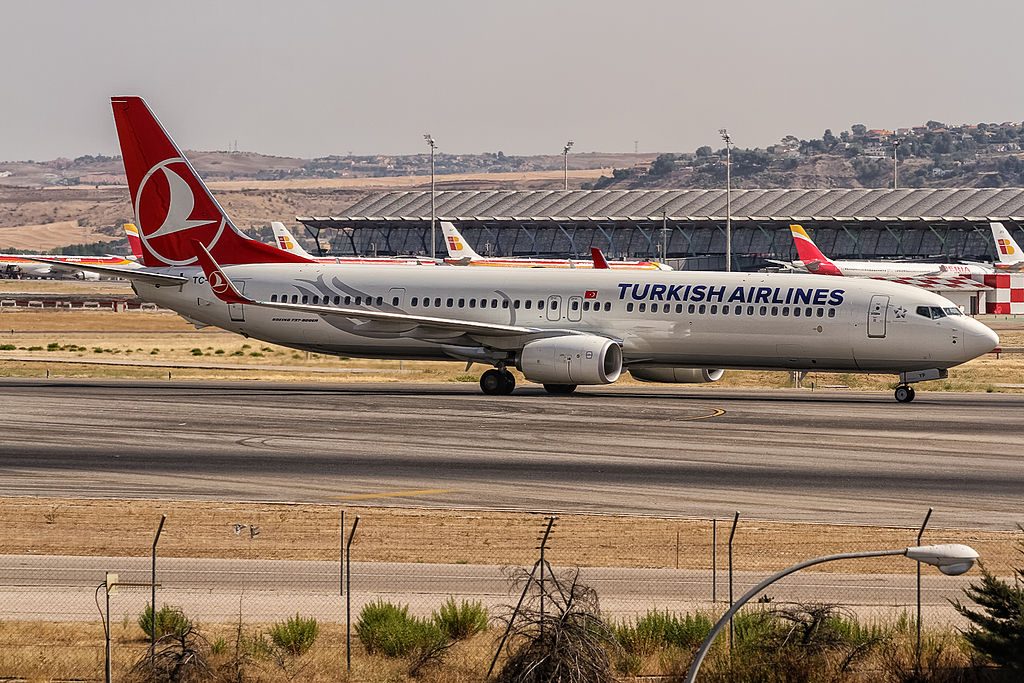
(233, 565)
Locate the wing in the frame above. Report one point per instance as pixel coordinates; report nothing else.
(127, 273)
(423, 326)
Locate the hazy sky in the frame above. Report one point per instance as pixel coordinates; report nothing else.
(315, 78)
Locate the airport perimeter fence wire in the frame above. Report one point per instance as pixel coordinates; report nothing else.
(256, 564)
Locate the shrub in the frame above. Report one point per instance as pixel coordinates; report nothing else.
(462, 620)
(657, 630)
(295, 636)
(7, 347)
(169, 621)
(53, 346)
(388, 629)
(196, 352)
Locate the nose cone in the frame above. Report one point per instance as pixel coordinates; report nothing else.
(978, 339)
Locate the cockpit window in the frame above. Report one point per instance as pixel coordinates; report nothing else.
(924, 311)
(953, 311)
(937, 313)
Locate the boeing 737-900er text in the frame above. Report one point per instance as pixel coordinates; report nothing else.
(813, 260)
(559, 327)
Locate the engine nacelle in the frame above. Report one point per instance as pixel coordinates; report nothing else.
(677, 375)
(572, 359)
(86, 275)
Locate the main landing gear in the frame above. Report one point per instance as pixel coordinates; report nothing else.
(905, 394)
(497, 382)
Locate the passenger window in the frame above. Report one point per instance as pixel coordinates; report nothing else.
(554, 305)
(808, 312)
(305, 298)
(394, 301)
(654, 308)
(575, 305)
(515, 304)
(702, 309)
(504, 303)
(643, 307)
(796, 312)
(785, 311)
(472, 303)
(337, 300)
(380, 301)
(414, 301)
(451, 302)
(437, 302)
(750, 310)
(494, 303)
(540, 305)
(725, 309)
(775, 310)
(629, 307)
(690, 309)
(667, 308)
(738, 310)
(586, 306)
(714, 309)
(831, 312)
(348, 300)
(462, 303)
(529, 304)
(273, 298)
(821, 312)
(764, 310)
(359, 301)
(607, 305)
(316, 298)
(679, 308)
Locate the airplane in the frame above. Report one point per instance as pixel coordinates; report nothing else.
(287, 242)
(33, 265)
(560, 327)
(1011, 258)
(461, 254)
(812, 260)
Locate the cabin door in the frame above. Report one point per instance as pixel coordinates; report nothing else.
(877, 312)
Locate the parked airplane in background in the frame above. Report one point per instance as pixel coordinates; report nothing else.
(51, 266)
(287, 242)
(559, 327)
(461, 254)
(1010, 256)
(812, 260)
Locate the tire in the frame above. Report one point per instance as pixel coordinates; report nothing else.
(492, 382)
(560, 389)
(904, 394)
(509, 383)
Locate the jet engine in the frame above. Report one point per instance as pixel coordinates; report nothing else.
(572, 359)
(677, 375)
(86, 275)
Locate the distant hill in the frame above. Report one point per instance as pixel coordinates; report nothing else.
(932, 155)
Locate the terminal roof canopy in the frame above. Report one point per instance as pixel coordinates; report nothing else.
(691, 205)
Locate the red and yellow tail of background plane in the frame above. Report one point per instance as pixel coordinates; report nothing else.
(814, 261)
(173, 208)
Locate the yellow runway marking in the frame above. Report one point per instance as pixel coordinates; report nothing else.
(393, 494)
(718, 412)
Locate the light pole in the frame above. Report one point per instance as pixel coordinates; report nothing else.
(951, 559)
(728, 198)
(433, 211)
(895, 163)
(565, 167)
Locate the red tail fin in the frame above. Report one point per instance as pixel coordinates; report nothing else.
(599, 259)
(807, 250)
(173, 207)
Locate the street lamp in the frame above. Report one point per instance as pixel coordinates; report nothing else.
(565, 159)
(952, 559)
(895, 163)
(433, 212)
(728, 198)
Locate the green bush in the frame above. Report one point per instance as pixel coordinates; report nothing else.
(169, 621)
(295, 636)
(656, 630)
(462, 620)
(388, 629)
(196, 352)
(7, 347)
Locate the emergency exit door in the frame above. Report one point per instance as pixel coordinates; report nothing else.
(878, 310)
(237, 311)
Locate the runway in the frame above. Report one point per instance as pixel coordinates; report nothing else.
(679, 450)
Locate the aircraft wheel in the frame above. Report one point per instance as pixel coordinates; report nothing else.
(904, 394)
(493, 382)
(509, 382)
(560, 389)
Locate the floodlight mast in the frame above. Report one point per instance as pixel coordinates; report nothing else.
(433, 210)
(951, 559)
(728, 198)
(565, 167)
(895, 163)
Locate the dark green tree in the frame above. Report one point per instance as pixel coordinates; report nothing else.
(704, 152)
(663, 165)
(858, 129)
(997, 628)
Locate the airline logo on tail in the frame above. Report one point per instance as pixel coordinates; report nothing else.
(1006, 247)
(812, 258)
(285, 242)
(454, 243)
(1010, 256)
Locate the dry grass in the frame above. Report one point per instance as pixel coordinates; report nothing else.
(55, 526)
(49, 236)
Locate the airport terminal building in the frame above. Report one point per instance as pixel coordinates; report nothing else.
(686, 227)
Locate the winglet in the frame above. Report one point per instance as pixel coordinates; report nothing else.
(220, 283)
(599, 260)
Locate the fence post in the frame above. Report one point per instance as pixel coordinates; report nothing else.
(152, 604)
(917, 643)
(348, 595)
(543, 545)
(732, 533)
(341, 553)
(714, 560)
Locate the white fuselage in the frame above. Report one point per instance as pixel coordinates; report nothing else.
(663, 319)
(852, 268)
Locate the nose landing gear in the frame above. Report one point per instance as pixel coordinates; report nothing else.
(905, 394)
(497, 382)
